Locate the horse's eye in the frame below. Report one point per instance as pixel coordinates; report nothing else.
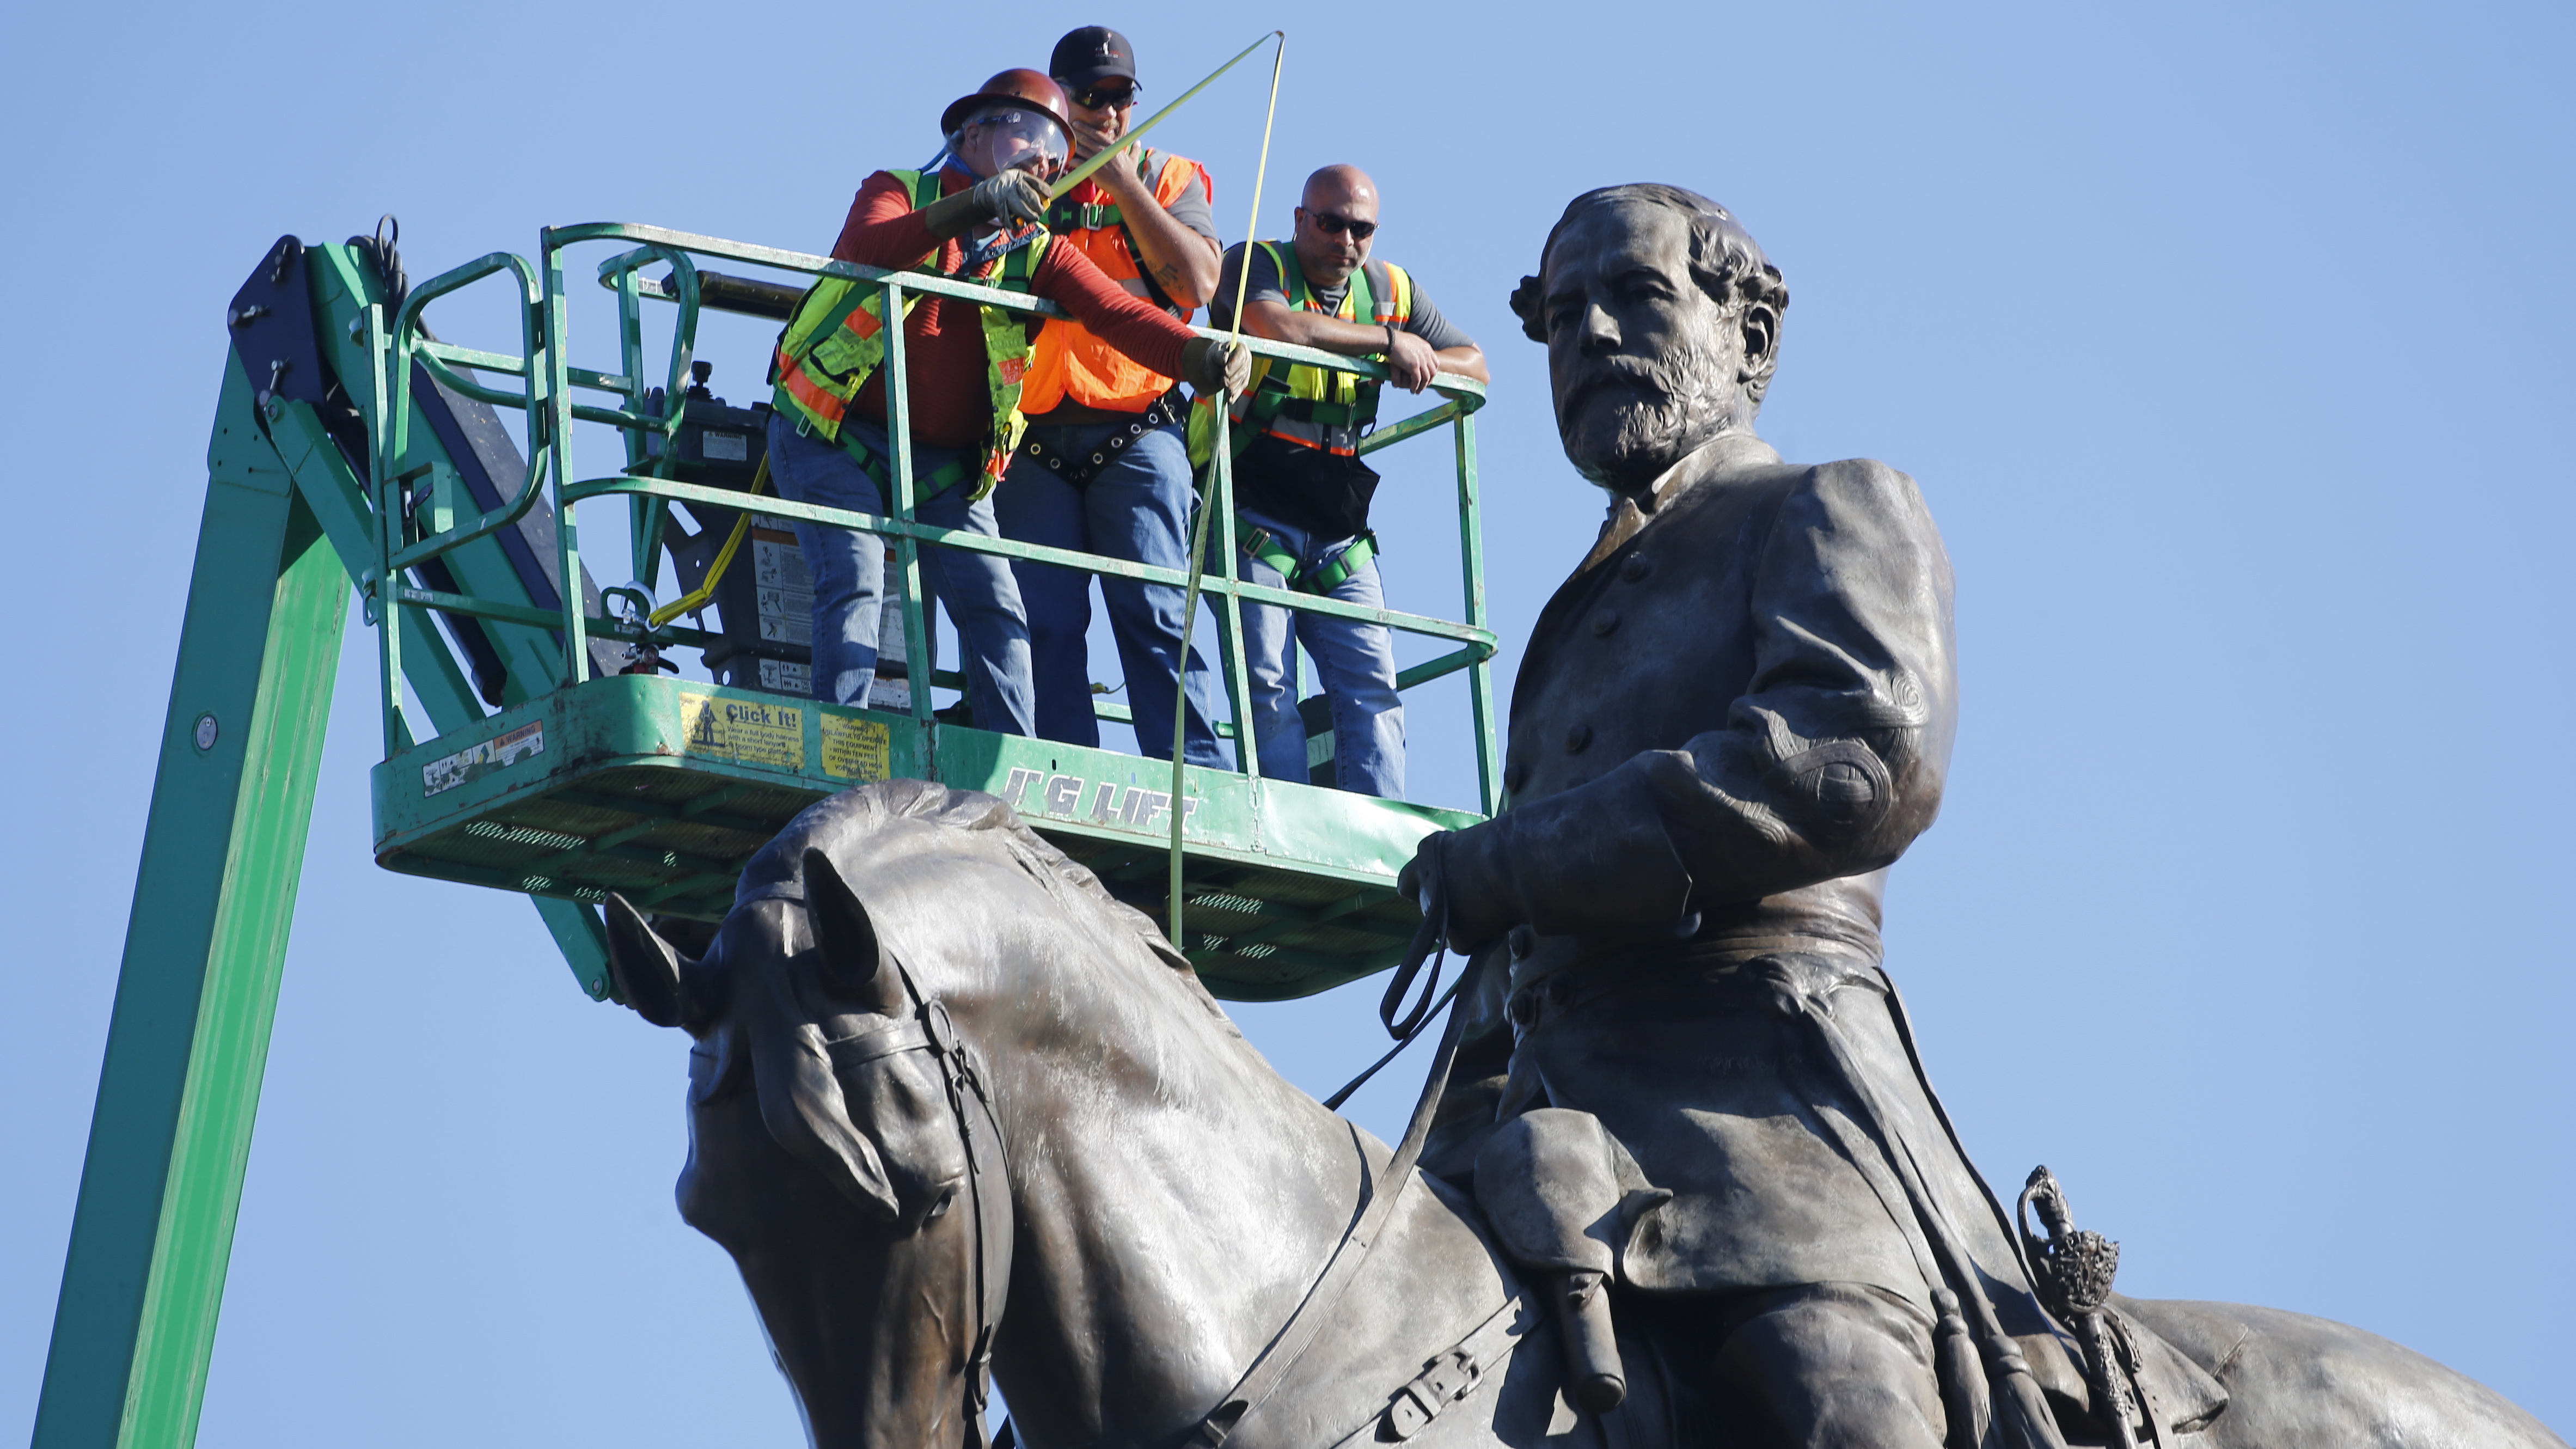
(939, 1206)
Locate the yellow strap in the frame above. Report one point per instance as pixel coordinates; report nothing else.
(724, 560)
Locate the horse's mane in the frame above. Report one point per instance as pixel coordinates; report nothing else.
(863, 822)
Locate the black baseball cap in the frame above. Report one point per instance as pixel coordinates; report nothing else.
(1095, 53)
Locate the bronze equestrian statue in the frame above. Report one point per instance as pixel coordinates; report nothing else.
(959, 1115)
(1017, 1134)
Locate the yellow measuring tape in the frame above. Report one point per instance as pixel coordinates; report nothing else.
(1246, 737)
(691, 603)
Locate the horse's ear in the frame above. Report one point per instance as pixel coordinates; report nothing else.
(646, 968)
(853, 960)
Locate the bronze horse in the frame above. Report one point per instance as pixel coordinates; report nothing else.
(953, 1107)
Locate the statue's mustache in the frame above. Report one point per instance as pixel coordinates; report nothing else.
(1658, 380)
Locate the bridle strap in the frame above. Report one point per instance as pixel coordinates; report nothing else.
(930, 1030)
(1270, 1368)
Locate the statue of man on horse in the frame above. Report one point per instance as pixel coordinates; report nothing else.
(963, 1118)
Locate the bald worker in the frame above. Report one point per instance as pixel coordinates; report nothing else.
(1301, 493)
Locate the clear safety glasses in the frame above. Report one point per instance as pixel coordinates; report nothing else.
(1024, 138)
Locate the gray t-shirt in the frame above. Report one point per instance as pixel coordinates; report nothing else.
(1425, 323)
(1190, 208)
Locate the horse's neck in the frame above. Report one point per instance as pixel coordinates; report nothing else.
(1175, 1195)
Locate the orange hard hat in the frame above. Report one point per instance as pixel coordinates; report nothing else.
(1021, 87)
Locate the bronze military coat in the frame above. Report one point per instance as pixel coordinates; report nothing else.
(1728, 723)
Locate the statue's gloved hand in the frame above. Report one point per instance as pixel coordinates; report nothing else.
(1474, 883)
(1210, 366)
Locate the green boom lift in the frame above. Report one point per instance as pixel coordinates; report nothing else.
(532, 745)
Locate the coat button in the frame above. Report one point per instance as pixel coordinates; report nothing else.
(1576, 738)
(1636, 568)
(1515, 775)
(1604, 622)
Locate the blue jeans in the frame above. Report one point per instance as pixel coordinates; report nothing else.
(848, 570)
(1136, 508)
(1357, 661)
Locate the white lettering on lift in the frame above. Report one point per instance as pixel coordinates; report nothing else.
(1063, 792)
(1134, 807)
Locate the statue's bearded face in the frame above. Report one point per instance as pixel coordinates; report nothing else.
(1644, 365)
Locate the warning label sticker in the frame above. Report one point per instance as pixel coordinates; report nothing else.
(750, 732)
(476, 761)
(854, 749)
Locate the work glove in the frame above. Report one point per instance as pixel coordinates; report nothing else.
(1012, 198)
(1009, 199)
(1211, 367)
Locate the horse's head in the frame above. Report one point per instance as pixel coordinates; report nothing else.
(842, 1150)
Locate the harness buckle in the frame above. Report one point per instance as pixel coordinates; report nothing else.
(936, 1025)
(1449, 1378)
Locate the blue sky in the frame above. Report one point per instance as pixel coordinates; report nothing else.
(2227, 343)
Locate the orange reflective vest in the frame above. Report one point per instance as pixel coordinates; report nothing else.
(1071, 363)
(837, 341)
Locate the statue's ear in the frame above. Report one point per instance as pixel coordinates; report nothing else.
(1761, 336)
(1525, 306)
(647, 969)
(854, 966)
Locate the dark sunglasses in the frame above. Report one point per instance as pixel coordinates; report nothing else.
(1103, 100)
(1336, 223)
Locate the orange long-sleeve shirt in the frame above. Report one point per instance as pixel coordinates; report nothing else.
(944, 340)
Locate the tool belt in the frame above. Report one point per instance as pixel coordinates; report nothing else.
(1324, 577)
(1162, 412)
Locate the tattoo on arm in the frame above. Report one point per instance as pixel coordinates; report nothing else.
(1167, 274)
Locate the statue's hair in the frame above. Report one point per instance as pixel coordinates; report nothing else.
(1725, 261)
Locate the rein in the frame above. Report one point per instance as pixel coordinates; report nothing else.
(1270, 1368)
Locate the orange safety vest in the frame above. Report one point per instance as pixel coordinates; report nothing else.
(1073, 364)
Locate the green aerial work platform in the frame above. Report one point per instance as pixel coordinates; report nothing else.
(532, 745)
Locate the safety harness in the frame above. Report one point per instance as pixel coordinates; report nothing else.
(837, 341)
(1162, 412)
(1329, 572)
(1304, 403)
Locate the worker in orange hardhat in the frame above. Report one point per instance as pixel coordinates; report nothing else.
(978, 217)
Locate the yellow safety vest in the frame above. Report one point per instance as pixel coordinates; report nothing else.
(836, 342)
(1301, 402)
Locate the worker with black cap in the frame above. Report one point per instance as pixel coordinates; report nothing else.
(977, 217)
(1104, 467)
